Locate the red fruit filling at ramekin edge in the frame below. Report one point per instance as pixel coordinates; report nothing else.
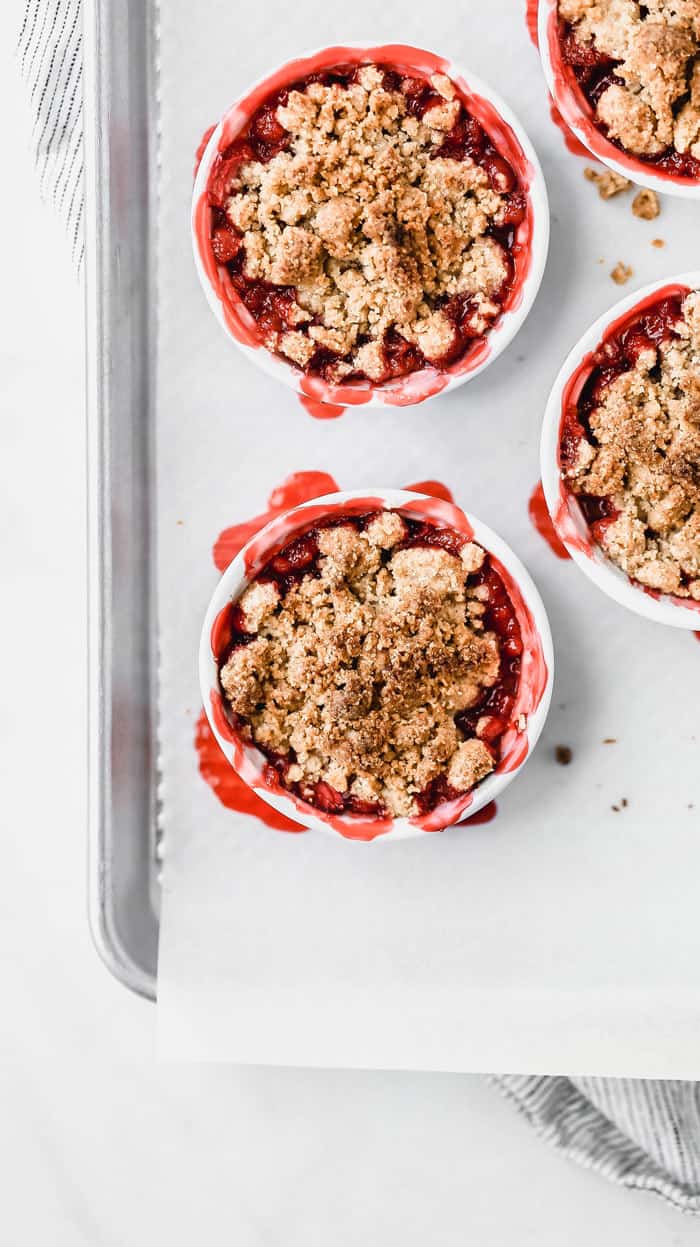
(255, 309)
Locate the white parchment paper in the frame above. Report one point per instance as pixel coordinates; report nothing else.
(563, 935)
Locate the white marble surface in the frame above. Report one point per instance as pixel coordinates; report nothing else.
(98, 1143)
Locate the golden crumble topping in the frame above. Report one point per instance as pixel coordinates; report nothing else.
(371, 227)
(643, 454)
(354, 672)
(644, 80)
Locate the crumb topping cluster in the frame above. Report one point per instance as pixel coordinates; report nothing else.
(351, 671)
(631, 452)
(608, 182)
(640, 66)
(645, 205)
(381, 211)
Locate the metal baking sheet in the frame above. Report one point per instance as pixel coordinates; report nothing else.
(603, 852)
(120, 132)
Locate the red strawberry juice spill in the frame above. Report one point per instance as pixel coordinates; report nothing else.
(434, 489)
(297, 488)
(227, 785)
(302, 487)
(203, 142)
(542, 520)
(484, 815)
(573, 144)
(531, 7)
(319, 410)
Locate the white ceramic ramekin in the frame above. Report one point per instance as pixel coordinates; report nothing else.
(532, 237)
(577, 113)
(563, 507)
(536, 670)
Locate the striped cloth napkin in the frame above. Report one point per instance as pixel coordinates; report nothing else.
(49, 51)
(644, 1135)
(640, 1134)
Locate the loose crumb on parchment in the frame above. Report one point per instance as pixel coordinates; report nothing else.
(621, 273)
(645, 205)
(608, 183)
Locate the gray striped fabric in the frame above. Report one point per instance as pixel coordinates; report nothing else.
(49, 52)
(640, 1134)
(644, 1135)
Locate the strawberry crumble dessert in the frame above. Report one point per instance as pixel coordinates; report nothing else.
(375, 661)
(367, 223)
(630, 445)
(638, 67)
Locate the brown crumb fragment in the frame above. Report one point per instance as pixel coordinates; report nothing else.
(624, 803)
(563, 754)
(616, 808)
(645, 205)
(621, 273)
(608, 183)
(610, 740)
(658, 242)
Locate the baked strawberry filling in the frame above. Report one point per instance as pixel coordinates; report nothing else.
(375, 661)
(630, 443)
(367, 223)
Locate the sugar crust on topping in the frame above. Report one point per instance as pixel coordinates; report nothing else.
(647, 460)
(361, 669)
(657, 104)
(368, 225)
